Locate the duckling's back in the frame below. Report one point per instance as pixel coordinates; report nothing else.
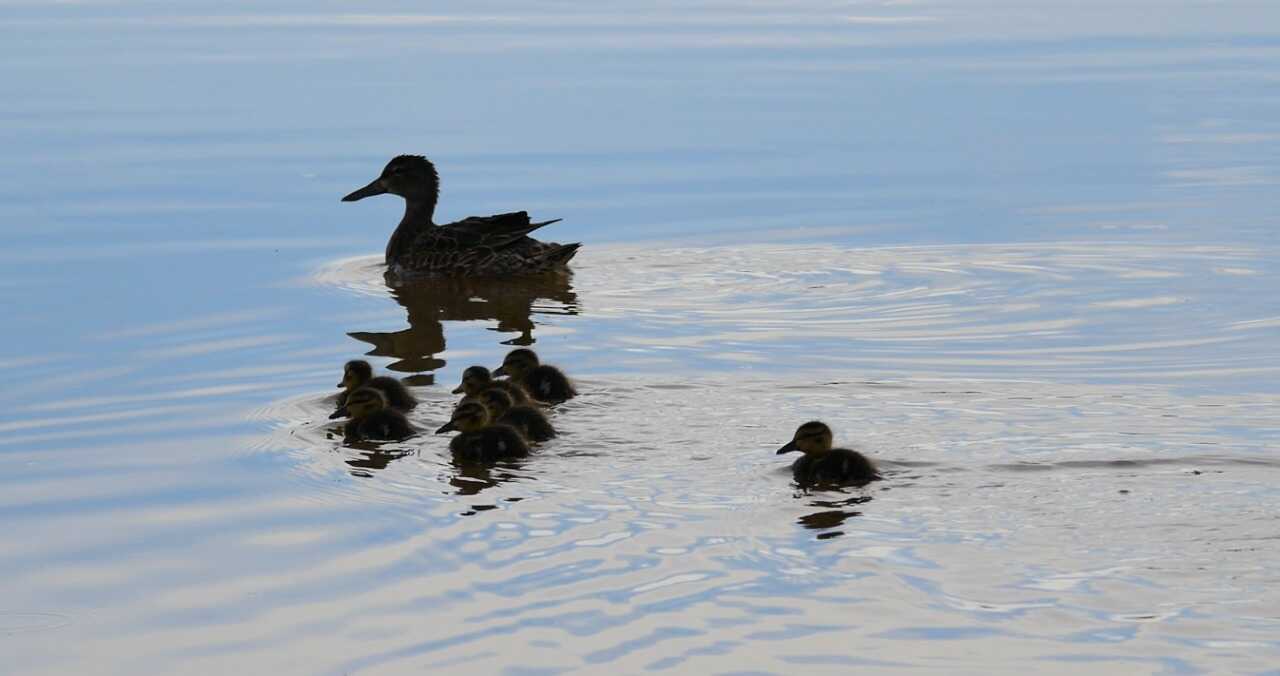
(384, 425)
(513, 389)
(838, 466)
(547, 383)
(398, 396)
(529, 421)
(496, 442)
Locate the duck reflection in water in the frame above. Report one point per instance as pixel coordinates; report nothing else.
(511, 302)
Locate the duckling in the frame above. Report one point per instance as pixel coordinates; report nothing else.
(543, 381)
(475, 246)
(480, 441)
(527, 420)
(358, 373)
(373, 419)
(476, 379)
(822, 464)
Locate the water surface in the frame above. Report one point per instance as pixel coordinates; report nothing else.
(1024, 257)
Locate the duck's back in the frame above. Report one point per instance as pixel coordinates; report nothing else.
(529, 421)
(496, 442)
(838, 466)
(547, 383)
(385, 425)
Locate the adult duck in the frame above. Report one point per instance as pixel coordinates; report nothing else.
(477, 246)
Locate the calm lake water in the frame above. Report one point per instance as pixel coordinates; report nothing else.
(1023, 254)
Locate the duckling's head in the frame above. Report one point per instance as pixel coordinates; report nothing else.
(468, 417)
(412, 177)
(473, 380)
(517, 363)
(811, 438)
(355, 373)
(496, 400)
(365, 402)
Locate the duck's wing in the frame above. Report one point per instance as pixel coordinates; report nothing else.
(495, 245)
(493, 232)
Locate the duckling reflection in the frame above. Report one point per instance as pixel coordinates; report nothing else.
(823, 465)
(545, 382)
(477, 379)
(373, 419)
(372, 458)
(358, 373)
(527, 420)
(480, 441)
(833, 516)
(473, 478)
(511, 302)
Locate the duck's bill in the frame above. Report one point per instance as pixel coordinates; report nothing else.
(370, 190)
(500, 371)
(457, 390)
(447, 427)
(340, 413)
(791, 446)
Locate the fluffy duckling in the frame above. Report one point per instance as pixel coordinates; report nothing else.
(543, 381)
(480, 441)
(822, 464)
(358, 373)
(477, 379)
(527, 420)
(372, 418)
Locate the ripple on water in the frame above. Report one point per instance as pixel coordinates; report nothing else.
(1059, 472)
(1025, 403)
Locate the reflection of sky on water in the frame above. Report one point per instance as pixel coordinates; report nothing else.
(1023, 255)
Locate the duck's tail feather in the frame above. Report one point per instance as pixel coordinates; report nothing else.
(561, 253)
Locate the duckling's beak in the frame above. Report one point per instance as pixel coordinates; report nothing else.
(458, 390)
(375, 188)
(447, 427)
(340, 413)
(500, 371)
(791, 446)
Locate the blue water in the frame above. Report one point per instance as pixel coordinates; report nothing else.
(1023, 256)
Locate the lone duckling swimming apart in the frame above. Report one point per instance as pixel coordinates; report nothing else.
(476, 246)
(545, 382)
(479, 441)
(372, 419)
(358, 373)
(822, 464)
(527, 420)
(477, 379)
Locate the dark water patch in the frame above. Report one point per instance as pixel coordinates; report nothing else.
(1142, 463)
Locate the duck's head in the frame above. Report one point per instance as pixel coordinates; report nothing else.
(517, 363)
(810, 438)
(496, 400)
(365, 402)
(355, 373)
(473, 380)
(468, 417)
(412, 177)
